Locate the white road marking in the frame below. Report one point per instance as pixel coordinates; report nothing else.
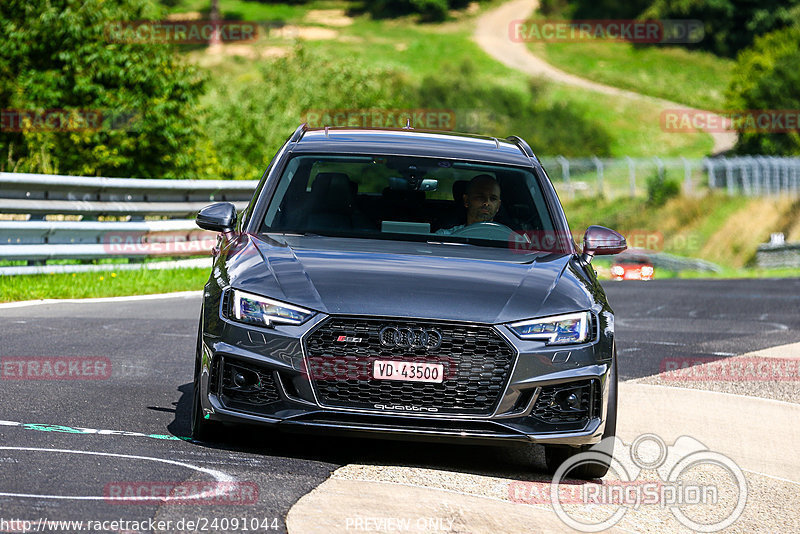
(131, 298)
(219, 476)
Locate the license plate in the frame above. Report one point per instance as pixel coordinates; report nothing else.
(408, 371)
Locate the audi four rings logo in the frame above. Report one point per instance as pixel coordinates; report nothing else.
(410, 338)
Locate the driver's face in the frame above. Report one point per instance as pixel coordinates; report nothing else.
(482, 202)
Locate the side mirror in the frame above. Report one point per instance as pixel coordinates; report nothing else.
(602, 241)
(219, 217)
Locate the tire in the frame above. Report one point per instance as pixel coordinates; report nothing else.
(202, 428)
(555, 455)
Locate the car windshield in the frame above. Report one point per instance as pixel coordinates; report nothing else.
(411, 199)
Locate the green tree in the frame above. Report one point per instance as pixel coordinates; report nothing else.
(60, 54)
(429, 10)
(730, 25)
(250, 118)
(767, 77)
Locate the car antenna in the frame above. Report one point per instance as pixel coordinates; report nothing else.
(408, 124)
(326, 130)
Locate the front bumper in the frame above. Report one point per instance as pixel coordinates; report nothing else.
(520, 414)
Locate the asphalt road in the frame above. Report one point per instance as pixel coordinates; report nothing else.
(59, 461)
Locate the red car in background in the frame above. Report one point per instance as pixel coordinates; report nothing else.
(632, 267)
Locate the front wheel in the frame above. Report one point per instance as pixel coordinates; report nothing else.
(202, 428)
(555, 455)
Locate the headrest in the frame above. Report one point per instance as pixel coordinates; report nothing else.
(459, 190)
(334, 188)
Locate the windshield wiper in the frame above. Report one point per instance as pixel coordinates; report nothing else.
(449, 243)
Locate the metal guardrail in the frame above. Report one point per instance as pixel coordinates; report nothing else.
(41, 194)
(778, 255)
(37, 197)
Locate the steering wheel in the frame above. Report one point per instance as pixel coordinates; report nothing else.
(485, 230)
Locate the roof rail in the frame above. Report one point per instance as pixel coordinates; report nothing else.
(298, 133)
(523, 146)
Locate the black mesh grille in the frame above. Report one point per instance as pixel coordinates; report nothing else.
(247, 385)
(552, 406)
(476, 362)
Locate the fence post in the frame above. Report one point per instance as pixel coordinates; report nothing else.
(687, 176)
(745, 168)
(776, 174)
(599, 165)
(729, 176)
(565, 174)
(660, 167)
(785, 176)
(767, 175)
(712, 180)
(631, 175)
(754, 167)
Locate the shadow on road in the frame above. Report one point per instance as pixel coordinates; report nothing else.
(519, 462)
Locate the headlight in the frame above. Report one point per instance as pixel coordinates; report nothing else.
(252, 309)
(556, 330)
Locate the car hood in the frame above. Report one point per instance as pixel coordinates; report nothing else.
(408, 279)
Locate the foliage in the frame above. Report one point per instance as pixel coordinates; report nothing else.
(101, 284)
(57, 55)
(767, 77)
(497, 110)
(660, 189)
(429, 10)
(249, 119)
(730, 25)
(594, 9)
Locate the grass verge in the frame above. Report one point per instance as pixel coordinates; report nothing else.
(715, 227)
(100, 284)
(694, 78)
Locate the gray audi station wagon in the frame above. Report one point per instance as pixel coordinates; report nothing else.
(407, 284)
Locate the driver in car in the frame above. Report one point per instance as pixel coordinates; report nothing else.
(482, 200)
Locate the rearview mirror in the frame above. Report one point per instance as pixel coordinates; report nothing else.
(219, 217)
(602, 241)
